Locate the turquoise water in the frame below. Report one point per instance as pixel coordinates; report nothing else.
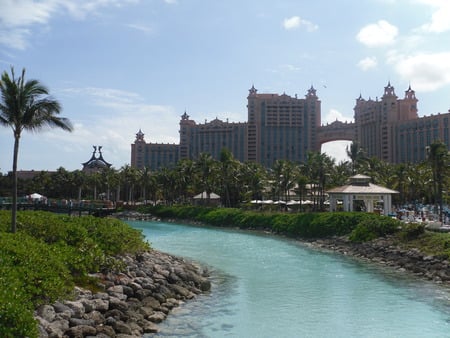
(265, 286)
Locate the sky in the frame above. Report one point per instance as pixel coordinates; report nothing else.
(118, 66)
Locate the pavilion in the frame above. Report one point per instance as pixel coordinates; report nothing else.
(360, 191)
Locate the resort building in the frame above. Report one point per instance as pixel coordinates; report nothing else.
(282, 127)
(391, 130)
(212, 137)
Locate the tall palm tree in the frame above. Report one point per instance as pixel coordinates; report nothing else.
(319, 168)
(228, 171)
(356, 154)
(205, 167)
(25, 105)
(438, 159)
(254, 178)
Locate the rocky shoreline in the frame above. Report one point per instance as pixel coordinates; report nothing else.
(384, 251)
(130, 304)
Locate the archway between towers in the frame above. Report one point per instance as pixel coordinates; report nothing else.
(333, 139)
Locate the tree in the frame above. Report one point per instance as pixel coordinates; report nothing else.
(438, 159)
(229, 178)
(319, 168)
(205, 168)
(253, 180)
(26, 105)
(356, 154)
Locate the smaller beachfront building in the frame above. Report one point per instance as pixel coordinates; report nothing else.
(361, 195)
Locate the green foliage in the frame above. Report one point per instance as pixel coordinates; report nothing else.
(40, 267)
(302, 225)
(178, 212)
(222, 217)
(362, 233)
(412, 231)
(41, 262)
(16, 311)
(372, 228)
(430, 243)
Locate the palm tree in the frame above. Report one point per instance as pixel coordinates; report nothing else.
(25, 105)
(186, 178)
(438, 159)
(356, 154)
(253, 178)
(319, 168)
(205, 168)
(229, 175)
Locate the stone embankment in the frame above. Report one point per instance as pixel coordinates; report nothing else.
(384, 251)
(131, 303)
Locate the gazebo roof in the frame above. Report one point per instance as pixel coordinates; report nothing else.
(359, 184)
(361, 189)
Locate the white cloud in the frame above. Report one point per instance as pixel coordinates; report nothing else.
(20, 13)
(15, 38)
(127, 112)
(140, 27)
(378, 34)
(336, 150)
(426, 71)
(296, 22)
(367, 63)
(334, 115)
(440, 19)
(17, 17)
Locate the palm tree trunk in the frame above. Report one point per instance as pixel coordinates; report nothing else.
(14, 192)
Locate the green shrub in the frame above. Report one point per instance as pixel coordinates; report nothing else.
(16, 311)
(411, 231)
(362, 233)
(221, 217)
(373, 227)
(40, 262)
(41, 268)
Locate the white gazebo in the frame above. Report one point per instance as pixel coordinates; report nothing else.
(360, 189)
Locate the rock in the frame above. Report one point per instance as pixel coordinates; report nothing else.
(105, 330)
(179, 290)
(77, 307)
(80, 331)
(46, 312)
(157, 317)
(96, 316)
(149, 327)
(121, 327)
(60, 307)
(80, 322)
(143, 293)
(154, 283)
(146, 311)
(57, 328)
(117, 304)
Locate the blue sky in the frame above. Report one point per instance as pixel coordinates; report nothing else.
(118, 66)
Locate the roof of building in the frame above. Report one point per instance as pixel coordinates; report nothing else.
(359, 184)
(96, 162)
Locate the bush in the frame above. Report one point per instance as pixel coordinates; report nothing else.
(362, 233)
(41, 262)
(40, 268)
(221, 217)
(16, 311)
(411, 231)
(371, 228)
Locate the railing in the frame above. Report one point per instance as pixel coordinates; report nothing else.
(95, 208)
